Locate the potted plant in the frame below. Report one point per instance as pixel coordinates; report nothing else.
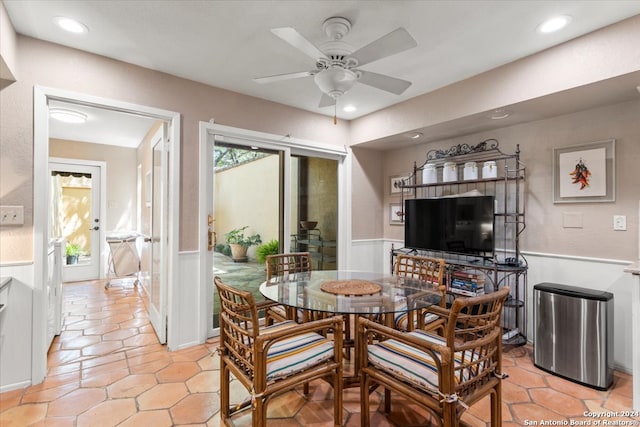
(239, 244)
(73, 252)
(270, 248)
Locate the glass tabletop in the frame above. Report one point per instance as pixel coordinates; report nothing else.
(350, 292)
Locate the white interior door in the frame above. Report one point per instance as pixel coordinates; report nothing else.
(157, 289)
(76, 215)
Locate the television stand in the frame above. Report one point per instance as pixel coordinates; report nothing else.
(494, 275)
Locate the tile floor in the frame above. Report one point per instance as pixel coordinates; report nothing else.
(107, 369)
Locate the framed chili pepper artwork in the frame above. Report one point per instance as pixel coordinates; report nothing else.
(584, 173)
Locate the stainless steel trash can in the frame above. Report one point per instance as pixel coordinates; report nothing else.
(573, 333)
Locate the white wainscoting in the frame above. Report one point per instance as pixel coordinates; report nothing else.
(16, 328)
(187, 321)
(600, 274)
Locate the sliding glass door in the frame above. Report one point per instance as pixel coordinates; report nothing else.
(277, 202)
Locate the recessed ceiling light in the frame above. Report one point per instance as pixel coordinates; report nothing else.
(70, 25)
(67, 116)
(554, 24)
(499, 114)
(349, 108)
(413, 135)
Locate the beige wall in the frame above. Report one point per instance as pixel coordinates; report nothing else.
(544, 231)
(51, 65)
(604, 54)
(248, 195)
(121, 178)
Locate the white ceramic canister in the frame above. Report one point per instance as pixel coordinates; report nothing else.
(490, 170)
(429, 174)
(470, 171)
(449, 172)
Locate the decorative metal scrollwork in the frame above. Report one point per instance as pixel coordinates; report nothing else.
(461, 149)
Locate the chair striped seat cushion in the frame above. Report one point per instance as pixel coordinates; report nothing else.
(401, 320)
(401, 317)
(295, 354)
(408, 363)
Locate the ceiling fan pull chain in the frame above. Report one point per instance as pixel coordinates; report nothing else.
(335, 115)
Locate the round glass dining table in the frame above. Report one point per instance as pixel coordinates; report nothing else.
(350, 292)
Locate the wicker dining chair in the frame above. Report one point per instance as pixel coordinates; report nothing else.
(273, 359)
(431, 271)
(444, 374)
(281, 265)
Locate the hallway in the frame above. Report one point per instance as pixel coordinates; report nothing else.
(107, 369)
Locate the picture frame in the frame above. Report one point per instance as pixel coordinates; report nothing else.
(394, 184)
(584, 173)
(396, 214)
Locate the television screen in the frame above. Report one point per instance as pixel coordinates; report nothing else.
(451, 224)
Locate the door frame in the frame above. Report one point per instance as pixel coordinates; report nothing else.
(41, 97)
(102, 253)
(209, 132)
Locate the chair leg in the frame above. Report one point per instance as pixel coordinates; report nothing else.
(364, 400)
(259, 413)
(337, 399)
(387, 401)
(496, 406)
(224, 393)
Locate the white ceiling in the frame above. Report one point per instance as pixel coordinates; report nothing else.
(228, 43)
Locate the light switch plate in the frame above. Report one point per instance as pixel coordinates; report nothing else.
(11, 215)
(620, 222)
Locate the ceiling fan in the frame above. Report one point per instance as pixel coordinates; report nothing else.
(336, 65)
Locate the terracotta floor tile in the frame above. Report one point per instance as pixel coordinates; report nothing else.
(101, 329)
(131, 386)
(178, 371)
(76, 402)
(204, 382)
(141, 340)
(80, 342)
(523, 412)
(102, 348)
(159, 418)
(96, 361)
(559, 402)
(23, 415)
(195, 408)
(50, 394)
(120, 334)
(10, 399)
(108, 413)
(162, 396)
(59, 422)
(105, 379)
(190, 354)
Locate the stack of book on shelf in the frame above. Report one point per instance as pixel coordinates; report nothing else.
(465, 283)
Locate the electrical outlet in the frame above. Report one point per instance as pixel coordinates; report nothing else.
(620, 222)
(11, 215)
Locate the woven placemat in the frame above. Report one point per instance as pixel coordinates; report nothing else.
(350, 287)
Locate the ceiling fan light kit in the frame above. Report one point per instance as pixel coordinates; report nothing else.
(335, 72)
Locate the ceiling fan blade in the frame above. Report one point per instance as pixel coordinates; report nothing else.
(326, 101)
(280, 77)
(295, 39)
(386, 83)
(395, 42)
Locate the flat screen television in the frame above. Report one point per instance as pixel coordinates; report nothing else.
(451, 224)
